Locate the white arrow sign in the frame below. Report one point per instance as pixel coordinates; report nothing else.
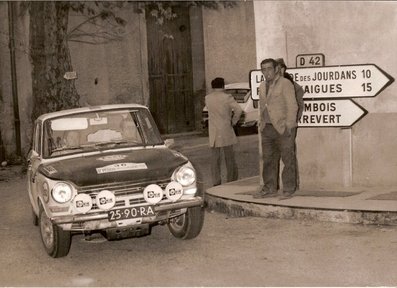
(331, 113)
(365, 80)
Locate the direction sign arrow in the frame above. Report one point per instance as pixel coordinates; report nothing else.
(363, 80)
(331, 113)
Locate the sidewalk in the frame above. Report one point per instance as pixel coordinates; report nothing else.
(346, 205)
(360, 205)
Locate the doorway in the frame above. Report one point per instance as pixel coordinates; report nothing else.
(170, 73)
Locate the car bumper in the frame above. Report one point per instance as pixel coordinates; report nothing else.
(247, 124)
(70, 219)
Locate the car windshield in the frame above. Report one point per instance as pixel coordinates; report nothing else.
(238, 94)
(90, 131)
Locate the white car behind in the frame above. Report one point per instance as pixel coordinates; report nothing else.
(242, 94)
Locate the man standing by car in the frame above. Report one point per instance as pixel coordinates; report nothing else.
(278, 122)
(223, 114)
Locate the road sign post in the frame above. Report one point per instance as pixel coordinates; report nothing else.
(321, 84)
(310, 60)
(344, 81)
(366, 80)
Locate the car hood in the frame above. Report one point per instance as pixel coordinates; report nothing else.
(135, 165)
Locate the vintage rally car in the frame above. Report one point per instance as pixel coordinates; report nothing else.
(107, 170)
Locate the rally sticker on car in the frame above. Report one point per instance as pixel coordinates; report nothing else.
(121, 167)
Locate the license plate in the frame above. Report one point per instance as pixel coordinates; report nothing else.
(130, 213)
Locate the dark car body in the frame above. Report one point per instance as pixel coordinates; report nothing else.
(107, 170)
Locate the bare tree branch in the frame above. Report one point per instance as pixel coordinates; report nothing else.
(82, 23)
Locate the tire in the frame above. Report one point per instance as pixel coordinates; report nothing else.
(237, 130)
(35, 219)
(56, 241)
(188, 225)
(205, 132)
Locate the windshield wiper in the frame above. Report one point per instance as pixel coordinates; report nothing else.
(112, 142)
(66, 148)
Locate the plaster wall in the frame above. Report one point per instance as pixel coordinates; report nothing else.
(346, 32)
(116, 71)
(374, 150)
(229, 41)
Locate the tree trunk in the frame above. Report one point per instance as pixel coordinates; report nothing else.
(50, 58)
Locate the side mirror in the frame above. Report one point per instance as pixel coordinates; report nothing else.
(169, 143)
(33, 154)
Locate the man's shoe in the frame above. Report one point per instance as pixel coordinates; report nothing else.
(264, 194)
(270, 194)
(258, 195)
(285, 196)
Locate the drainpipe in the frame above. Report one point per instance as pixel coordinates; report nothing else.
(14, 77)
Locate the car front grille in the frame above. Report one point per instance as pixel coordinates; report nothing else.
(127, 193)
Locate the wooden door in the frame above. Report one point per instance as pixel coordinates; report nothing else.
(170, 73)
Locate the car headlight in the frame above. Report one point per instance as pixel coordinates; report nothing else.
(185, 175)
(62, 192)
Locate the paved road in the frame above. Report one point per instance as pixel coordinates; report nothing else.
(246, 151)
(229, 252)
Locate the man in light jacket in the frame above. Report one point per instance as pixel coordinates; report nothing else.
(223, 113)
(278, 122)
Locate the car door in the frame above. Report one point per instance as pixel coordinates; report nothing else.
(251, 110)
(34, 160)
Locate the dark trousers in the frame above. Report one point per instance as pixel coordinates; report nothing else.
(231, 166)
(275, 145)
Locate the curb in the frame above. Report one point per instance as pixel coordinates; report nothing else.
(243, 209)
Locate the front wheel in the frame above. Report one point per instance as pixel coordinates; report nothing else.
(188, 225)
(237, 130)
(35, 219)
(56, 241)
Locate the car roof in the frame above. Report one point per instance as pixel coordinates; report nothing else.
(88, 109)
(239, 85)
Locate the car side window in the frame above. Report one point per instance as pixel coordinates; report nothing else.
(149, 128)
(129, 129)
